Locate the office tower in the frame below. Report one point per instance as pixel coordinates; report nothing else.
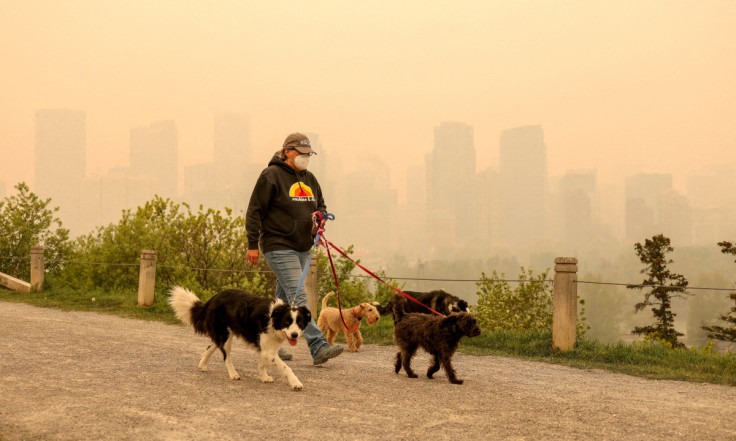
(90, 211)
(674, 217)
(232, 139)
(367, 215)
(412, 220)
(114, 189)
(488, 212)
(641, 195)
(523, 184)
(578, 197)
(61, 162)
(154, 156)
(451, 183)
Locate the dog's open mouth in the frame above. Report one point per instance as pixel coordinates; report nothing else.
(292, 341)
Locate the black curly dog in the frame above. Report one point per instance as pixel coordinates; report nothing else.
(437, 335)
(439, 300)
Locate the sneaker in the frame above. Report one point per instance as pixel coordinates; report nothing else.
(326, 352)
(284, 355)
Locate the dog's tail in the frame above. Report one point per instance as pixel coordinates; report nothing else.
(324, 300)
(398, 302)
(185, 304)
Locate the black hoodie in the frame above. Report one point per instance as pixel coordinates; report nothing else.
(280, 209)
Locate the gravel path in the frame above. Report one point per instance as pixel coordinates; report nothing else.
(83, 375)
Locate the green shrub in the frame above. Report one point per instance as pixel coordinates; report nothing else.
(203, 250)
(528, 306)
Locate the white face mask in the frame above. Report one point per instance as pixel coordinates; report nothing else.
(301, 162)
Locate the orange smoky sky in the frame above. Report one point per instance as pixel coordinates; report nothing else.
(618, 86)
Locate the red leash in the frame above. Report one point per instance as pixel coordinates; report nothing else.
(337, 288)
(327, 242)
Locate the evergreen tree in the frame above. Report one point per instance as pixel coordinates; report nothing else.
(722, 332)
(662, 284)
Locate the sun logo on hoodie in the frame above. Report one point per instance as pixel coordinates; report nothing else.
(301, 192)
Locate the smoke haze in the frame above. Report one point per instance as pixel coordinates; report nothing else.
(620, 87)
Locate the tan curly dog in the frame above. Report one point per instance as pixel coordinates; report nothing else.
(331, 325)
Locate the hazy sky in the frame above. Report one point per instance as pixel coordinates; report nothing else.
(617, 85)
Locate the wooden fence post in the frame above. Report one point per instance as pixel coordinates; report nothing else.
(310, 284)
(565, 303)
(37, 268)
(147, 278)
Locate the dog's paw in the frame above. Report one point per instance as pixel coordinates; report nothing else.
(456, 381)
(412, 375)
(297, 385)
(203, 368)
(266, 379)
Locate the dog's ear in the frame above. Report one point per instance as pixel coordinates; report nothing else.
(449, 322)
(463, 305)
(303, 317)
(277, 315)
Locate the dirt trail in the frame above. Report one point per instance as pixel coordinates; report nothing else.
(82, 375)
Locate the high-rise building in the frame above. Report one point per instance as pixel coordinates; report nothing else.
(412, 225)
(674, 217)
(154, 156)
(228, 180)
(578, 197)
(114, 195)
(488, 212)
(232, 139)
(367, 212)
(523, 184)
(641, 194)
(90, 195)
(451, 184)
(61, 161)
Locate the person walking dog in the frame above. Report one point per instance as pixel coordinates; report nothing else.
(279, 219)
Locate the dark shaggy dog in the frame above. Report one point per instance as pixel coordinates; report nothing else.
(440, 300)
(263, 323)
(437, 335)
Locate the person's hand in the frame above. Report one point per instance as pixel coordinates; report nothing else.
(252, 256)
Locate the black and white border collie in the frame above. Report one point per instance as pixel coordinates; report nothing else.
(263, 323)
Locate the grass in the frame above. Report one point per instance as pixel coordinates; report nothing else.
(120, 303)
(647, 359)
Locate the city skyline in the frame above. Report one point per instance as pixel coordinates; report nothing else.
(619, 88)
(449, 206)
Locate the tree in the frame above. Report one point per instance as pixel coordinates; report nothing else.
(27, 220)
(663, 283)
(722, 332)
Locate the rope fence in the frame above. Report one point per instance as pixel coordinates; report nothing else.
(414, 279)
(564, 288)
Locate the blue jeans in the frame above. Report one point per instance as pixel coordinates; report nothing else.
(288, 266)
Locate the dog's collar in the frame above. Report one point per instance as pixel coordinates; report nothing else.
(354, 314)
